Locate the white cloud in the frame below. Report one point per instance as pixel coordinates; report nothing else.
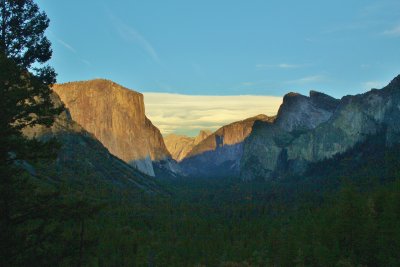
(393, 32)
(308, 79)
(70, 48)
(66, 45)
(87, 62)
(279, 66)
(373, 84)
(288, 66)
(175, 113)
(130, 34)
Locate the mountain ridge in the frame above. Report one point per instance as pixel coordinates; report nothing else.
(221, 150)
(181, 145)
(115, 115)
(82, 159)
(270, 151)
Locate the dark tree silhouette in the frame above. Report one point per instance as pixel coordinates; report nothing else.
(25, 101)
(24, 79)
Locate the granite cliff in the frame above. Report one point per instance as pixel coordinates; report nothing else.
(83, 160)
(318, 130)
(116, 117)
(180, 145)
(220, 153)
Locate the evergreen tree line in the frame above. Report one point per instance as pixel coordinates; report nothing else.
(40, 225)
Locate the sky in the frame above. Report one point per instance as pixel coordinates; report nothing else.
(188, 114)
(225, 47)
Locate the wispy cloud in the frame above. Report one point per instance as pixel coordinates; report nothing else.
(279, 66)
(176, 113)
(367, 18)
(373, 84)
(395, 31)
(70, 48)
(87, 62)
(308, 79)
(130, 34)
(66, 45)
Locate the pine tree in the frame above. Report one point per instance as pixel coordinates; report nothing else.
(25, 101)
(25, 79)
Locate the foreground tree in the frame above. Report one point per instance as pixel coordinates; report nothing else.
(25, 78)
(25, 96)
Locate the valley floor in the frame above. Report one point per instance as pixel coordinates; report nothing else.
(342, 212)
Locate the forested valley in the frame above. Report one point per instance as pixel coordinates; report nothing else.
(66, 200)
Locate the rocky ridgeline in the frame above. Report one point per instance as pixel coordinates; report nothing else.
(306, 129)
(116, 117)
(181, 145)
(219, 154)
(310, 129)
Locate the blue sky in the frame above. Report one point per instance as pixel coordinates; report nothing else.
(218, 47)
(264, 49)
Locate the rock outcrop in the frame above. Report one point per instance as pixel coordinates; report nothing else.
(299, 112)
(220, 153)
(318, 130)
(180, 145)
(83, 160)
(116, 117)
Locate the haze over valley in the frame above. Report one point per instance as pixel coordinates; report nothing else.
(188, 114)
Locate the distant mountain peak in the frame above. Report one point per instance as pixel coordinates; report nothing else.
(299, 112)
(324, 101)
(317, 94)
(395, 83)
(319, 127)
(181, 145)
(201, 132)
(292, 95)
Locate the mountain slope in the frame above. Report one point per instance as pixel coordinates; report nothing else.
(355, 118)
(219, 154)
(272, 149)
(116, 117)
(83, 160)
(180, 145)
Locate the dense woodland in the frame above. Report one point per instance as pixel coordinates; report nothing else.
(347, 218)
(347, 222)
(343, 211)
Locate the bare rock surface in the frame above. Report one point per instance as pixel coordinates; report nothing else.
(82, 159)
(219, 154)
(181, 145)
(116, 117)
(314, 128)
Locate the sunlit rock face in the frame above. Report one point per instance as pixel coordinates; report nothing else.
(116, 117)
(310, 129)
(220, 153)
(82, 159)
(180, 145)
